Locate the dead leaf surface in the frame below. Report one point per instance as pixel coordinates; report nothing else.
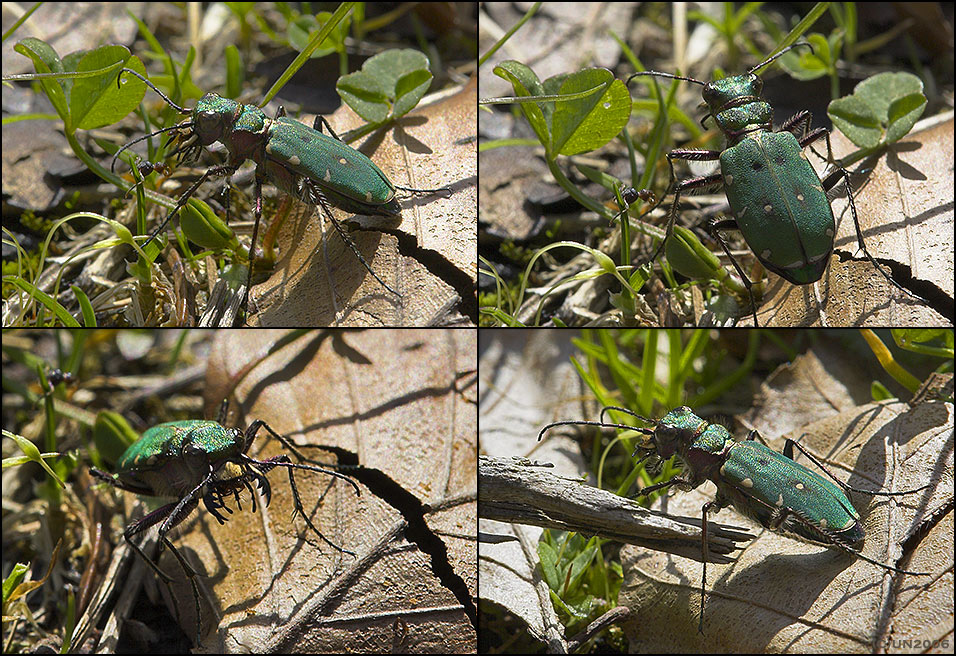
(783, 594)
(905, 208)
(428, 254)
(395, 401)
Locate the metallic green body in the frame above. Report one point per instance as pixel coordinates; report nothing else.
(320, 170)
(681, 431)
(294, 156)
(756, 480)
(776, 197)
(171, 459)
(780, 206)
(201, 460)
(351, 180)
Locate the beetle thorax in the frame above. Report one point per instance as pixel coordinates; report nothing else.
(737, 107)
(705, 455)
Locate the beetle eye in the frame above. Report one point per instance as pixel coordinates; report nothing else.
(191, 450)
(207, 120)
(209, 126)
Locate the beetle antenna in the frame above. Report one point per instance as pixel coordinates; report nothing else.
(780, 54)
(181, 110)
(668, 75)
(601, 424)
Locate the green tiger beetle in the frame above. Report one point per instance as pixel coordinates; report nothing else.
(191, 460)
(778, 201)
(768, 487)
(298, 160)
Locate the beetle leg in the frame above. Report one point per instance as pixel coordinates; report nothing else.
(830, 538)
(681, 186)
(259, 467)
(677, 480)
(799, 126)
(284, 460)
(715, 228)
(842, 172)
(319, 199)
(217, 170)
(703, 554)
(305, 516)
(319, 122)
(186, 505)
(788, 451)
(150, 520)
